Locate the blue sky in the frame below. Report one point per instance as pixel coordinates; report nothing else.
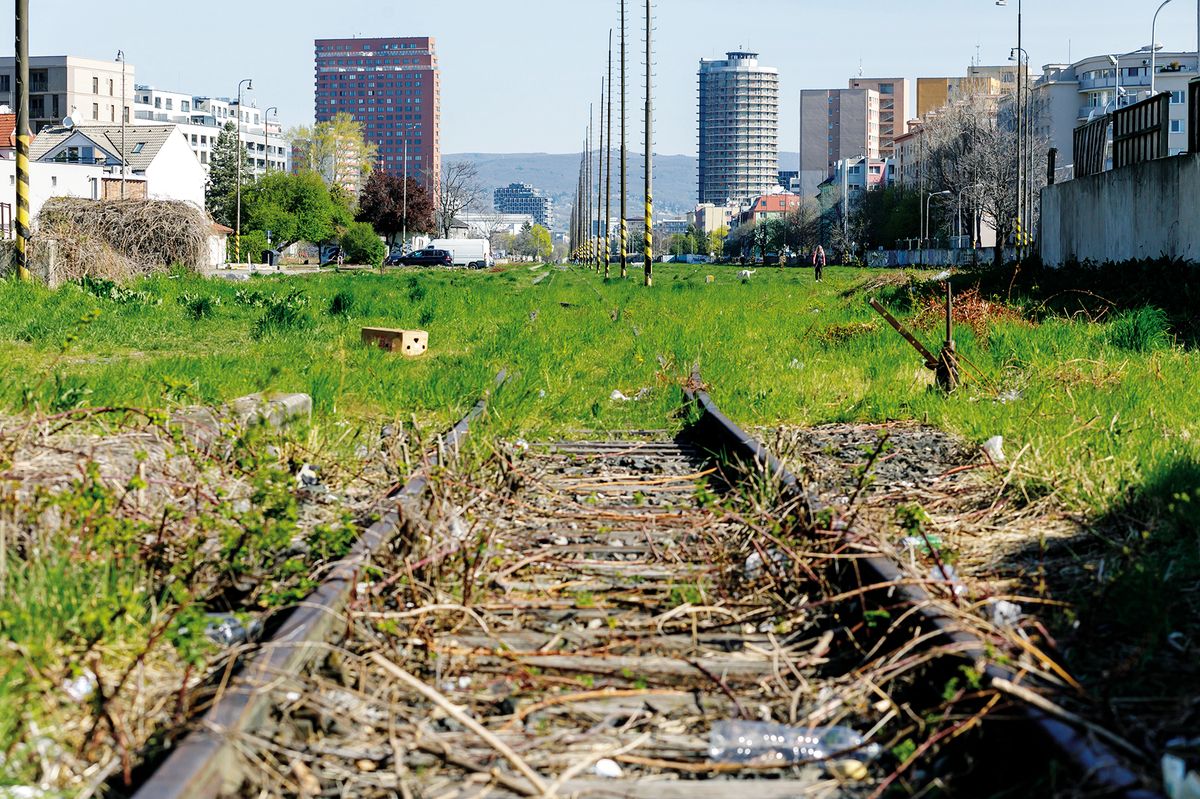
(518, 75)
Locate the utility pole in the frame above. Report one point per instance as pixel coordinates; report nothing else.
(241, 151)
(624, 159)
(587, 186)
(600, 180)
(124, 121)
(404, 193)
(22, 97)
(649, 146)
(608, 170)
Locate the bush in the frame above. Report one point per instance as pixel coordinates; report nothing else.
(361, 245)
(1142, 330)
(253, 244)
(341, 304)
(198, 306)
(283, 313)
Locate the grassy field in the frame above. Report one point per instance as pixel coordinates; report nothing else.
(1099, 409)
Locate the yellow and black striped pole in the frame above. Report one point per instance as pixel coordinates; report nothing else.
(624, 158)
(23, 136)
(649, 148)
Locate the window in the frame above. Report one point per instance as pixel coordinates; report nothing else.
(95, 85)
(185, 106)
(170, 104)
(54, 181)
(1178, 98)
(112, 113)
(110, 87)
(96, 111)
(1176, 126)
(5, 83)
(137, 148)
(158, 102)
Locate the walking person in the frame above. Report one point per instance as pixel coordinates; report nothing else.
(818, 259)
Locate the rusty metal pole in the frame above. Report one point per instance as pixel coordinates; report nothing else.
(649, 147)
(23, 136)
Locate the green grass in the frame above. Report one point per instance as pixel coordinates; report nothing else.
(1102, 413)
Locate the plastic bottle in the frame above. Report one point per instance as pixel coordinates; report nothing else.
(763, 742)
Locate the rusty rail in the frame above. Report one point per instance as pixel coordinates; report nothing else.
(1099, 768)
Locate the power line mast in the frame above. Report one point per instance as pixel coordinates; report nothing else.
(649, 267)
(624, 158)
(608, 169)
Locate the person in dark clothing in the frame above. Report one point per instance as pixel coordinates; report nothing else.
(818, 259)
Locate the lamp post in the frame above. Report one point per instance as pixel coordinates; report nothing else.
(928, 226)
(1024, 141)
(124, 168)
(266, 140)
(960, 196)
(1020, 144)
(237, 233)
(1154, 45)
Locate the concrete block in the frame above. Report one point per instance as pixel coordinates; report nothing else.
(276, 410)
(407, 342)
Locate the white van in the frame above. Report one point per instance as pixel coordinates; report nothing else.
(474, 253)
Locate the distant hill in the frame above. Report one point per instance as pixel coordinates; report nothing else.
(674, 177)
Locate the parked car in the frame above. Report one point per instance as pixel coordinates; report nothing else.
(428, 257)
(471, 253)
(395, 259)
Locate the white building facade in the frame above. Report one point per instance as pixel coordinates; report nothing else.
(201, 120)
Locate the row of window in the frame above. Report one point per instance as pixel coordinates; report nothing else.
(350, 62)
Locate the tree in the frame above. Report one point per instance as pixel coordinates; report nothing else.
(535, 242)
(220, 193)
(294, 208)
(802, 227)
(460, 192)
(383, 204)
(336, 150)
(362, 245)
(716, 240)
(887, 215)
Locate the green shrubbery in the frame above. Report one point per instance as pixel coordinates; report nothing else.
(360, 245)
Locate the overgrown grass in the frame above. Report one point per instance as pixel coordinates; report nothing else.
(1099, 408)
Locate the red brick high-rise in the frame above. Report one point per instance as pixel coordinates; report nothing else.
(392, 87)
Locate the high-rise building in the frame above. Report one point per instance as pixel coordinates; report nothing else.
(893, 109)
(739, 128)
(392, 88)
(84, 89)
(521, 198)
(835, 124)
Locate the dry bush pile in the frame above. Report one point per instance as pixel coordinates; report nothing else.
(122, 239)
(971, 309)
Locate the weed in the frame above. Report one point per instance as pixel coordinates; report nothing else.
(199, 306)
(342, 303)
(1140, 330)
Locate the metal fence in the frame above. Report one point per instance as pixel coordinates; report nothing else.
(1140, 131)
(1091, 146)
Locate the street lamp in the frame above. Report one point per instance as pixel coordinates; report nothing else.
(1154, 45)
(237, 234)
(266, 140)
(121, 58)
(960, 196)
(925, 228)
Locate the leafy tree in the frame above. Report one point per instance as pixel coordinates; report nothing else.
(716, 240)
(362, 245)
(887, 215)
(383, 204)
(336, 150)
(535, 242)
(220, 193)
(294, 208)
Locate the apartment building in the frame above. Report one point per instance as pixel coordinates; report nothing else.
(64, 86)
(738, 128)
(392, 87)
(521, 198)
(934, 94)
(201, 120)
(835, 124)
(893, 109)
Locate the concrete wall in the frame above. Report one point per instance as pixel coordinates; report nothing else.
(176, 173)
(934, 258)
(1146, 211)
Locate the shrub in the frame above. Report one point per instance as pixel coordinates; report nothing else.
(341, 304)
(1142, 330)
(198, 306)
(283, 313)
(254, 242)
(361, 245)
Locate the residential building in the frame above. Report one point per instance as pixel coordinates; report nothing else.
(788, 178)
(858, 176)
(81, 88)
(708, 218)
(159, 162)
(910, 153)
(672, 227)
(1067, 95)
(484, 225)
(767, 206)
(934, 94)
(835, 124)
(391, 86)
(521, 198)
(201, 120)
(8, 135)
(893, 109)
(739, 128)
(1004, 74)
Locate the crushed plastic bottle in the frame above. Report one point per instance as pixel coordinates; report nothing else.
(764, 742)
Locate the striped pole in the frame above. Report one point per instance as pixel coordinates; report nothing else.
(624, 159)
(600, 181)
(608, 171)
(649, 148)
(23, 137)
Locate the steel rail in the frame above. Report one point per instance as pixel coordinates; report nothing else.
(204, 763)
(1094, 762)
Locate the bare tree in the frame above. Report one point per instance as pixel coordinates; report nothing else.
(460, 192)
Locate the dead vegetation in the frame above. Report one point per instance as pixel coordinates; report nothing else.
(122, 239)
(971, 309)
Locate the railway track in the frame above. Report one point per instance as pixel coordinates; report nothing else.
(577, 618)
